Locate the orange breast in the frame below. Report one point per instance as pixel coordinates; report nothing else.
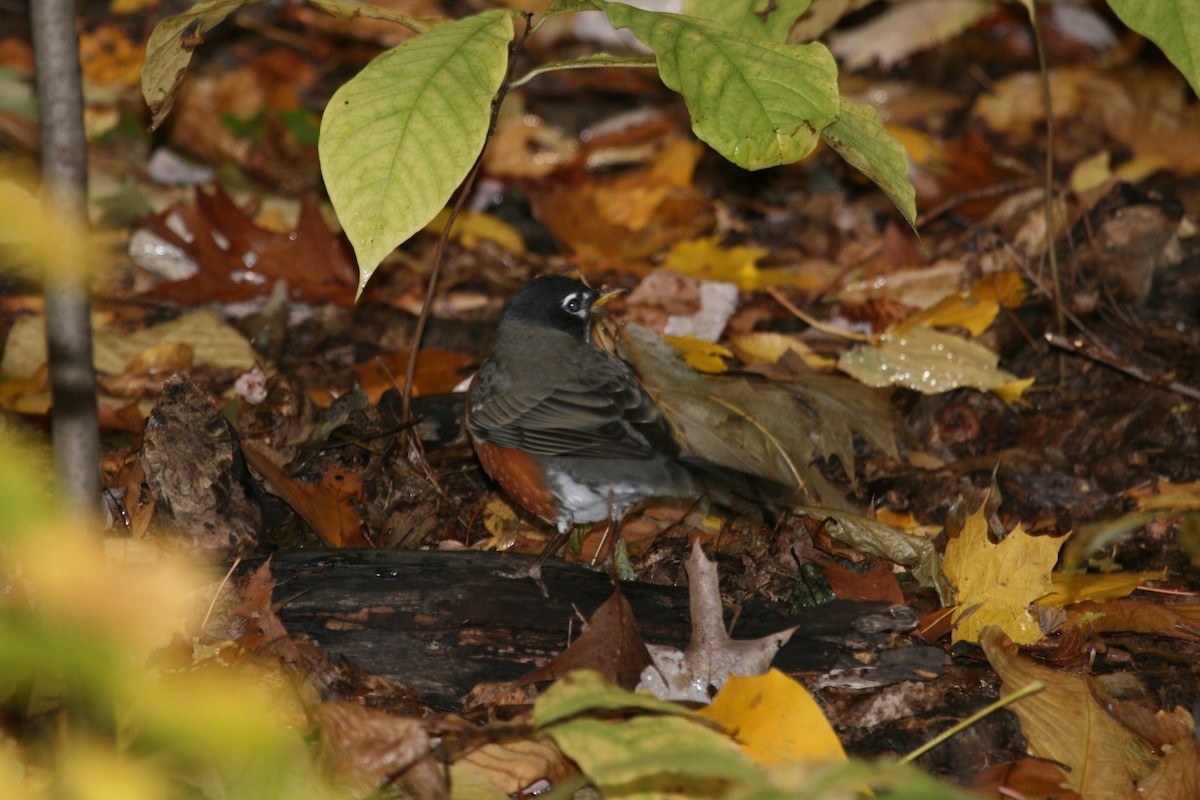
(520, 476)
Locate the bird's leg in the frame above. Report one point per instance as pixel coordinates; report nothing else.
(534, 570)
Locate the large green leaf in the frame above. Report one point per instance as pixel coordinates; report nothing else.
(169, 51)
(757, 102)
(399, 137)
(769, 19)
(1173, 25)
(859, 137)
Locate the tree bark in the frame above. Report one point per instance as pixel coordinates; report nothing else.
(75, 417)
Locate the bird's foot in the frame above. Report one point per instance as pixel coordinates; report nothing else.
(533, 571)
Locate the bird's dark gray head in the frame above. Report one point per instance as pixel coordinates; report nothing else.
(554, 302)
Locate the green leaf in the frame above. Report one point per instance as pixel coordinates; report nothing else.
(586, 690)
(766, 19)
(758, 103)
(653, 756)
(399, 137)
(169, 51)
(859, 137)
(1172, 25)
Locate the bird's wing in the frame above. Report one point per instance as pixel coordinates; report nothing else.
(600, 411)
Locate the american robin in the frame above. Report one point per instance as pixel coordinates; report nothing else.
(566, 428)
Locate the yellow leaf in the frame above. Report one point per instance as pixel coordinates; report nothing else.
(699, 354)
(1091, 172)
(923, 149)
(765, 347)
(955, 310)
(1007, 289)
(996, 583)
(705, 258)
(470, 227)
(1065, 724)
(1172, 497)
(774, 719)
(931, 362)
(1011, 391)
(1077, 588)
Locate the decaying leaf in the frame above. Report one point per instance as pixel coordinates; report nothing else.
(610, 644)
(1065, 724)
(368, 750)
(711, 656)
(325, 509)
(774, 429)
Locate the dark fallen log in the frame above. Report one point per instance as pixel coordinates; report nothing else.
(442, 621)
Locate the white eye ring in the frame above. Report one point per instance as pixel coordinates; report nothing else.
(573, 304)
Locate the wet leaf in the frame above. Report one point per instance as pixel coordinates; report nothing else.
(398, 138)
(712, 656)
(931, 362)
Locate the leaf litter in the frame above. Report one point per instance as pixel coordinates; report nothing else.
(1075, 455)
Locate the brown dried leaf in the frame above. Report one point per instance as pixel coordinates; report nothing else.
(239, 260)
(368, 750)
(1179, 620)
(1176, 776)
(326, 510)
(611, 644)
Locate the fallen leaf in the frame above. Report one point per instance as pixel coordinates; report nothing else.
(1063, 723)
(327, 511)
(711, 656)
(1076, 588)
(774, 719)
(996, 583)
(239, 259)
(705, 258)
(1177, 620)
(699, 354)
(931, 362)
(369, 750)
(610, 644)
(509, 767)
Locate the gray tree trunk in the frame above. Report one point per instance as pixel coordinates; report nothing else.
(75, 418)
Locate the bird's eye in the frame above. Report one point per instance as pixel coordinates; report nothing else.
(572, 303)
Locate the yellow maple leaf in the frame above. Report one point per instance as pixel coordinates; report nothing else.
(774, 719)
(996, 583)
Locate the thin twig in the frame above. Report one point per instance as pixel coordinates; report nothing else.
(440, 253)
(1060, 319)
(1103, 356)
